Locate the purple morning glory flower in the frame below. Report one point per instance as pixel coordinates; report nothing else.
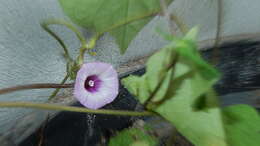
(96, 84)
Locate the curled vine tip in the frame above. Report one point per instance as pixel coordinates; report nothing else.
(96, 84)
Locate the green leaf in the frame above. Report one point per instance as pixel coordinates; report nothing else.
(233, 126)
(142, 87)
(133, 82)
(133, 137)
(181, 88)
(194, 110)
(206, 101)
(242, 125)
(140, 143)
(192, 34)
(184, 55)
(186, 98)
(122, 18)
(202, 126)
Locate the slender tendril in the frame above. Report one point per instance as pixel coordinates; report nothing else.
(56, 107)
(34, 86)
(48, 22)
(45, 25)
(55, 92)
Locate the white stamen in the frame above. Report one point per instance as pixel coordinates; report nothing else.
(91, 83)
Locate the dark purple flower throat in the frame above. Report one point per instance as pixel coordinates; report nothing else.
(92, 83)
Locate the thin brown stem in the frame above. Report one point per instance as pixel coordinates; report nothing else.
(182, 26)
(152, 95)
(215, 55)
(34, 86)
(167, 16)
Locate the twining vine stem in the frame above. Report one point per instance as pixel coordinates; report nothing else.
(84, 46)
(72, 65)
(47, 106)
(90, 45)
(48, 22)
(34, 86)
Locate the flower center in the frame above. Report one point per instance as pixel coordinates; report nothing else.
(92, 83)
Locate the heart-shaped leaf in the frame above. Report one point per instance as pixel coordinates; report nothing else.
(122, 18)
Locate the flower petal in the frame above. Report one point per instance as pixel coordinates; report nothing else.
(108, 87)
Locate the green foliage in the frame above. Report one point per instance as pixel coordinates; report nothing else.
(178, 84)
(242, 125)
(133, 137)
(122, 18)
(182, 55)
